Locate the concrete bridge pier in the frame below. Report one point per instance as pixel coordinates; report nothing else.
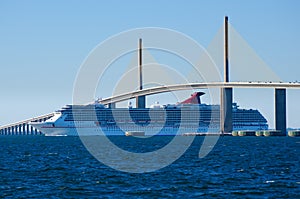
(20, 132)
(226, 110)
(31, 130)
(141, 102)
(27, 129)
(24, 129)
(112, 105)
(280, 110)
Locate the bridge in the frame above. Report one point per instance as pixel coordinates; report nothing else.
(226, 87)
(24, 128)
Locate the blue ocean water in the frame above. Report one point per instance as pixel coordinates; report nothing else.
(237, 167)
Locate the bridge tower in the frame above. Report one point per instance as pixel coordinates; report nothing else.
(140, 100)
(226, 93)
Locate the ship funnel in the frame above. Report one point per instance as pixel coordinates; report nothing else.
(194, 99)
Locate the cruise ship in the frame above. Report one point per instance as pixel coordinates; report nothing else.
(189, 116)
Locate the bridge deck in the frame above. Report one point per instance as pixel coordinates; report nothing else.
(176, 87)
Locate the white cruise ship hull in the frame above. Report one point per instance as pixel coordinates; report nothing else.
(90, 130)
(110, 131)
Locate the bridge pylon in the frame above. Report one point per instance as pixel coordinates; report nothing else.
(226, 93)
(140, 100)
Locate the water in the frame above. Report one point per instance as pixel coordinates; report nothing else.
(239, 167)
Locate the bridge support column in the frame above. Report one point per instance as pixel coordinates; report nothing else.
(226, 110)
(23, 129)
(5, 131)
(226, 93)
(27, 129)
(280, 110)
(141, 102)
(20, 129)
(31, 130)
(112, 105)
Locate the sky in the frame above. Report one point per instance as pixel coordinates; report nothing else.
(44, 43)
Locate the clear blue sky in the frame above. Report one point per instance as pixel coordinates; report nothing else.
(43, 44)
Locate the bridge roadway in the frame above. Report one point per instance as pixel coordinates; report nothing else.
(177, 87)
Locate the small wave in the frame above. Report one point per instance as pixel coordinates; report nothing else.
(52, 153)
(269, 181)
